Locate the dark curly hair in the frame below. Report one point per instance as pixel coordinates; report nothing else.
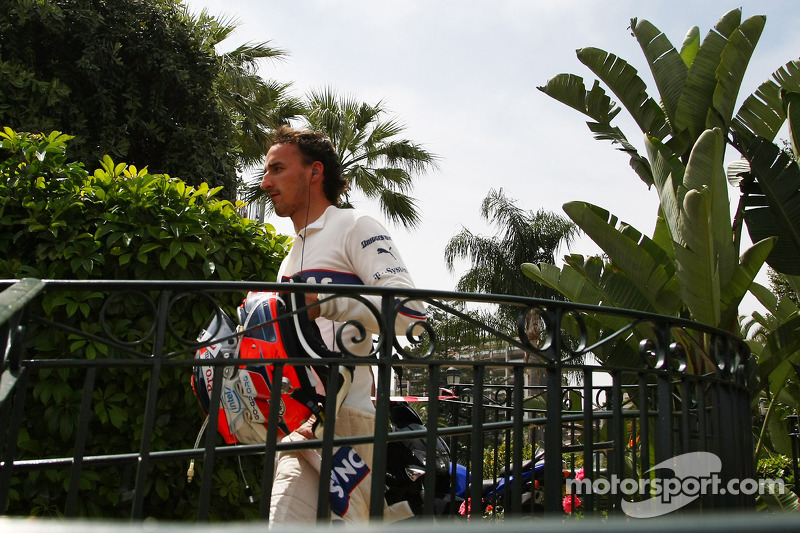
(314, 146)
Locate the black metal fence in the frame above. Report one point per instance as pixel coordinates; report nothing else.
(578, 410)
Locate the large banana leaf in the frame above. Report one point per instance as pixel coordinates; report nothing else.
(666, 64)
(792, 100)
(781, 327)
(697, 97)
(625, 83)
(642, 260)
(732, 293)
(762, 112)
(574, 286)
(668, 172)
(777, 212)
(591, 281)
(690, 46)
(706, 258)
(663, 239)
(782, 309)
(617, 289)
(706, 171)
(696, 264)
(570, 90)
(730, 73)
(782, 350)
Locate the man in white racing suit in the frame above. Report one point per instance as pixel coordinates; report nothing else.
(302, 177)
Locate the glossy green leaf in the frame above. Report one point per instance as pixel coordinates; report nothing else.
(735, 58)
(666, 64)
(777, 212)
(642, 260)
(626, 84)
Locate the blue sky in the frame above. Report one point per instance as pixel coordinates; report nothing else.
(462, 76)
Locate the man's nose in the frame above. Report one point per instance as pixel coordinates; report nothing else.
(266, 183)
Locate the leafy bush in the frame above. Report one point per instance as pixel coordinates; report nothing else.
(59, 221)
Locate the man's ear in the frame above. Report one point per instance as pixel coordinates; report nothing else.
(317, 169)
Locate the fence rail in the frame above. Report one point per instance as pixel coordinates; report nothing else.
(573, 406)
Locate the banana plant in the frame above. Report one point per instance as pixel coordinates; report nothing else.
(698, 86)
(770, 184)
(690, 267)
(770, 205)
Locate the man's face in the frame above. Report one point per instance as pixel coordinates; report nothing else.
(286, 180)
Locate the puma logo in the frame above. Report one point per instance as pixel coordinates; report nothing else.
(385, 251)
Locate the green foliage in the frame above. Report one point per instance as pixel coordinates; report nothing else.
(133, 79)
(375, 159)
(255, 106)
(497, 458)
(59, 221)
(777, 467)
(691, 265)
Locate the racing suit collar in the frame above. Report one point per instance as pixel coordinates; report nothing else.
(318, 224)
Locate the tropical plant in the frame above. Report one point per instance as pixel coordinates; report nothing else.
(130, 79)
(524, 237)
(374, 160)
(770, 184)
(691, 266)
(255, 105)
(58, 221)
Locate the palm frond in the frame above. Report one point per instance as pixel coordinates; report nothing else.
(374, 162)
(399, 208)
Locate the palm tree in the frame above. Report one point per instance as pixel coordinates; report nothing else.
(496, 261)
(256, 106)
(374, 160)
(524, 237)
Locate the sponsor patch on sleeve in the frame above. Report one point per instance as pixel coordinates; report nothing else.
(347, 472)
(376, 238)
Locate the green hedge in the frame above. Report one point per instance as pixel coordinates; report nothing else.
(59, 221)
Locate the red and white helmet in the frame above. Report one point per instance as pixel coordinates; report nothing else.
(268, 331)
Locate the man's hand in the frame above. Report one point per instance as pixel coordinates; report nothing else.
(307, 429)
(313, 312)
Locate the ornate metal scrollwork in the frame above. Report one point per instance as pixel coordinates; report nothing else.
(361, 331)
(677, 357)
(537, 322)
(149, 303)
(218, 312)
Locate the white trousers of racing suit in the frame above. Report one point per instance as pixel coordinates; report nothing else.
(295, 487)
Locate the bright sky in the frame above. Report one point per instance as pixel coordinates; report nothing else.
(462, 76)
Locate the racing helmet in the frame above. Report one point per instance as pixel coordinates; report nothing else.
(268, 330)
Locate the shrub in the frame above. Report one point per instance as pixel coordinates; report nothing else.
(59, 221)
